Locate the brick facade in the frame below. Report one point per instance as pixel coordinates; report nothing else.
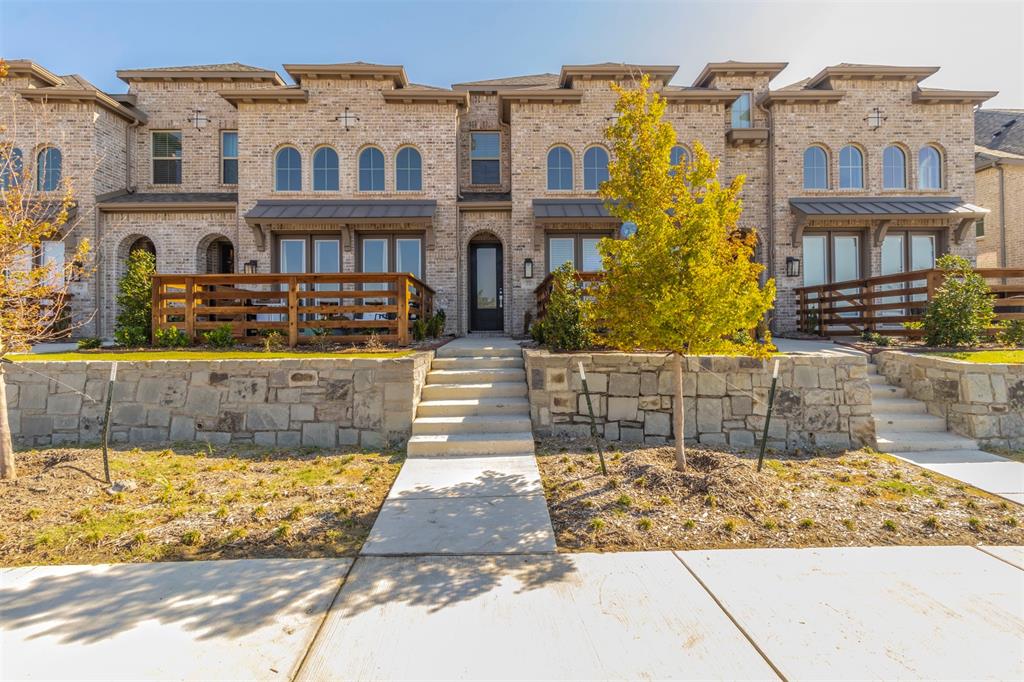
(107, 150)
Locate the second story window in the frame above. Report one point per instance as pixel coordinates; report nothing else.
(740, 111)
(229, 157)
(894, 168)
(167, 157)
(815, 168)
(408, 170)
(485, 158)
(595, 168)
(325, 170)
(10, 173)
(929, 168)
(851, 168)
(559, 169)
(288, 170)
(48, 169)
(371, 170)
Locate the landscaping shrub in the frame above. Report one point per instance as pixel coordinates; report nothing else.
(876, 338)
(134, 300)
(564, 327)
(435, 325)
(88, 343)
(1011, 333)
(221, 337)
(961, 310)
(273, 340)
(170, 338)
(419, 329)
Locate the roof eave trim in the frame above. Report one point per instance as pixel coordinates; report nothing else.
(257, 96)
(802, 97)
(168, 207)
(129, 75)
(96, 97)
(394, 72)
(953, 96)
(485, 205)
(404, 96)
(869, 72)
(30, 68)
(662, 72)
(709, 95)
(770, 69)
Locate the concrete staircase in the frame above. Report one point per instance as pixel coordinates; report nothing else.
(474, 403)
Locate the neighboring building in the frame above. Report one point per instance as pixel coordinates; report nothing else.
(999, 176)
(857, 171)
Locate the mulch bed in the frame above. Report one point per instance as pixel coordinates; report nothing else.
(854, 499)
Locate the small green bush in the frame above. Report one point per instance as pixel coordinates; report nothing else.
(135, 300)
(1011, 333)
(435, 325)
(221, 337)
(419, 329)
(876, 338)
(564, 326)
(88, 343)
(961, 310)
(273, 340)
(171, 337)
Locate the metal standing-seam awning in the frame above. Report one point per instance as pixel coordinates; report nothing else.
(338, 211)
(571, 211)
(882, 211)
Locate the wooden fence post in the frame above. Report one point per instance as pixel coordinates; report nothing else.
(293, 312)
(402, 297)
(190, 308)
(154, 309)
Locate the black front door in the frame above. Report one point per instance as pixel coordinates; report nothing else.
(486, 298)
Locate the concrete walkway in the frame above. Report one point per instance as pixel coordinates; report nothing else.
(843, 613)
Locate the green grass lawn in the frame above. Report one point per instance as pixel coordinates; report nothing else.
(988, 356)
(78, 356)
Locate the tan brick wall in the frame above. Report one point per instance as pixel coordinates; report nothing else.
(988, 195)
(483, 117)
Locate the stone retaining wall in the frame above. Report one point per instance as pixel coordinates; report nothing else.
(291, 402)
(822, 402)
(980, 401)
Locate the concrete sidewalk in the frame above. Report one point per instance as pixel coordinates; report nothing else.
(842, 613)
(983, 470)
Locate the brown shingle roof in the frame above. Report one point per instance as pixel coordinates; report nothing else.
(536, 80)
(229, 71)
(230, 66)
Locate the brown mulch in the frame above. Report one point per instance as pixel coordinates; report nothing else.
(854, 499)
(190, 503)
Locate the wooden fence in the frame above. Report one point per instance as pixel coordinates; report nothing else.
(345, 307)
(884, 304)
(543, 290)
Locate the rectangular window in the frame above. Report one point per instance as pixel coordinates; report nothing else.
(52, 255)
(485, 158)
(229, 157)
(740, 111)
(578, 249)
(979, 228)
(380, 251)
(167, 157)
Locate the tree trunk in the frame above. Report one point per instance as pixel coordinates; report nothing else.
(7, 470)
(678, 421)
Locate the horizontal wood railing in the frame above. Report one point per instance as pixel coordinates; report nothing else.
(884, 304)
(346, 307)
(543, 290)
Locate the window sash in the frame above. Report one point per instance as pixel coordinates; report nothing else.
(408, 171)
(580, 249)
(595, 168)
(560, 169)
(740, 111)
(815, 169)
(851, 169)
(166, 155)
(371, 170)
(326, 170)
(894, 169)
(287, 177)
(229, 157)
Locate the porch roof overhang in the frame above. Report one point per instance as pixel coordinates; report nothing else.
(168, 202)
(571, 211)
(880, 212)
(340, 212)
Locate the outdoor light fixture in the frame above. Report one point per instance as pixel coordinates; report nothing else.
(792, 266)
(249, 267)
(875, 119)
(528, 268)
(198, 118)
(347, 119)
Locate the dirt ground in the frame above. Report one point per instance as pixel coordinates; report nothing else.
(219, 503)
(857, 498)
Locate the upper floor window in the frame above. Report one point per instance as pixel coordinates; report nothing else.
(229, 157)
(815, 168)
(894, 168)
(595, 167)
(371, 170)
(559, 168)
(678, 155)
(10, 173)
(167, 157)
(408, 170)
(929, 168)
(485, 158)
(325, 170)
(851, 168)
(288, 170)
(48, 169)
(740, 111)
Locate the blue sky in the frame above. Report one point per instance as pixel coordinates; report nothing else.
(979, 45)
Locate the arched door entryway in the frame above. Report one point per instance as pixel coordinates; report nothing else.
(486, 285)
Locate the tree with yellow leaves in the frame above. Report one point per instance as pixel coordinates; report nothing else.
(686, 281)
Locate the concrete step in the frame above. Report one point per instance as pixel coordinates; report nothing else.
(496, 389)
(901, 421)
(478, 362)
(885, 405)
(872, 369)
(877, 380)
(456, 350)
(481, 424)
(440, 445)
(919, 441)
(473, 407)
(474, 376)
(887, 391)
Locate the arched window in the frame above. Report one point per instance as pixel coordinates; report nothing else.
(325, 170)
(559, 168)
(851, 168)
(288, 170)
(678, 155)
(48, 168)
(815, 168)
(408, 170)
(10, 174)
(371, 170)
(894, 168)
(595, 167)
(929, 168)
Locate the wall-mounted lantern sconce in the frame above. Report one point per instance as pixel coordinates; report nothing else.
(249, 268)
(792, 266)
(875, 119)
(528, 268)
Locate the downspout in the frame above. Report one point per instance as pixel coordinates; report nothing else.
(100, 289)
(1003, 257)
(770, 241)
(458, 222)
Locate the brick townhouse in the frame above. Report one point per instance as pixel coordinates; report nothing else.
(482, 188)
(999, 167)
